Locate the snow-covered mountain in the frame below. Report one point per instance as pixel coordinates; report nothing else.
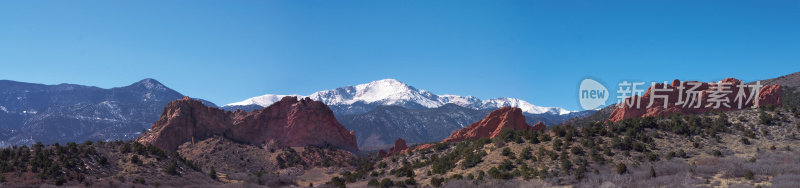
(364, 97)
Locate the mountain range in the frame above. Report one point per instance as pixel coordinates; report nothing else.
(381, 126)
(31, 113)
(382, 111)
(362, 98)
(379, 112)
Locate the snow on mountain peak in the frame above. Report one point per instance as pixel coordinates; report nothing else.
(395, 92)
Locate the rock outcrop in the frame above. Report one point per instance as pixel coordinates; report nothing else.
(768, 94)
(288, 122)
(399, 147)
(539, 126)
(506, 118)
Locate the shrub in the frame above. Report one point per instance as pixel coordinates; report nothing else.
(525, 153)
(652, 172)
(336, 181)
(212, 173)
(507, 152)
(171, 169)
(566, 164)
(494, 172)
(139, 180)
(670, 155)
(60, 181)
(373, 183)
(405, 171)
(682, 154)
(135, 159)
(437, 182)
(716, 153)
(103, 161)
(745, 141)
(748, 175)
(386, 182)
(557, 144)
(621, 168)
(764, 118)
(410, 181)
(577, 150)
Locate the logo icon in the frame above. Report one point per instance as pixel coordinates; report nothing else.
(592, 94)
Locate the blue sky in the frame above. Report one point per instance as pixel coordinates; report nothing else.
(539, 51)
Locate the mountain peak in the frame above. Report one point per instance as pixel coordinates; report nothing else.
(149, 83)
(388, 83)
(388, 80)
(394, 92)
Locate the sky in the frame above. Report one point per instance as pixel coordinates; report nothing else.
(538, 51)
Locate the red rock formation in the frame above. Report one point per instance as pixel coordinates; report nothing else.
(539, 126)
(184, 120)
(506, 118)
(288, 122)
(399, 147)
(423, 147)
(382, 153)
(769, 94)
(293, 123)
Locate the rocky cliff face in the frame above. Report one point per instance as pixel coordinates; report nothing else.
(399, 147)
(769, 94)
(293, 122)
(288, 122)
(506, 118)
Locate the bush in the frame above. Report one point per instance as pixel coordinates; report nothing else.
(764, 118)
(172, 168)
(670, 155)
(652, 172)
(373, 183)
(748, 175)
(336, 181)
(716, 153)
(103, 161)
(60, 181)
(682, 154)
(135, 159)
(621, 168)
(400, 184)
(557, 144)
(437, 182)
(386, 182)
(410, 181)
(212, 173)
(507, 152)
(499, 173)
(472, 158)
(525, 153)
(577, 150)
(139, 180)
(745, 141)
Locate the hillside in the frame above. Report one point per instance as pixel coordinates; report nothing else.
(739, 148)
